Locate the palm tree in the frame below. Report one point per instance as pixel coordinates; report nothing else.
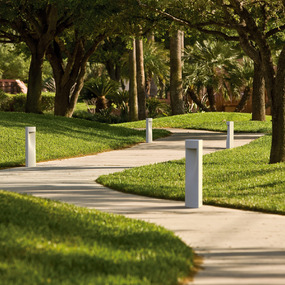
(99, 89)
(156, 63)
(207, 70)
(140, 79)
(133, 92)
(176, 89)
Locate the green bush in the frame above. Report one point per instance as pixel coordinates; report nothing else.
(103, 116)
(157, 108)
(13, 103)
(16, 103)
(48, 102)
(4, 99)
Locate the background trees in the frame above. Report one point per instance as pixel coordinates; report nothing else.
(36, 24)
(256, 25)
(14, 63)
(68, 32)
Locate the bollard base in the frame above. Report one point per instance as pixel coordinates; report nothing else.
(30, 146)
(193, 177)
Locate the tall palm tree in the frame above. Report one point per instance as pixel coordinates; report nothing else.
(156, 63)
(140, 79)
(176, 88)
(207, 69)
(133, 92)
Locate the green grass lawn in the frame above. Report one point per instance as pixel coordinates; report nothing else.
(237, 178)
(208, 121)
(48, 242)
(59, 137)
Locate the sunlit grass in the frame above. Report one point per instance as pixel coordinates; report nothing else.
(59, 137)
(238, 178)
(47, 242)
(209, 121)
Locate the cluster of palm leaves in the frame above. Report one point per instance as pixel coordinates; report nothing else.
(215, 67)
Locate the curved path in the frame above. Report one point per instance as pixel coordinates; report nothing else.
(239, 247)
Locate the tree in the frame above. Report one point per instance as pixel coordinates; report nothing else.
(37, 24)
(257, 25)
(258, 94)
(156, 62)
(209, 66)
(111, 53)
(14, 64)
(69, 53)
(141, 92)
(176, 90)
(69, 77)
(133, 92)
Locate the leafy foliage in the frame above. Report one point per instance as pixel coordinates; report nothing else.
(13, 64)
(16, 103)
(99, 87)
(156, 108)
(214, 63)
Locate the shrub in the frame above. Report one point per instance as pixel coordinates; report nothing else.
(16, 103)
(48, 102)
(156, 108)
(103, 116)
(98, 87)
(119, 98)
(4, 99)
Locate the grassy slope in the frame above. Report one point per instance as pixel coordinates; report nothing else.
(47, 242)
(238, 178)
(59, 137)
(208, 121)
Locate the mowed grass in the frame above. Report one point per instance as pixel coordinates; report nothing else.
(58, 137)
(236, 178)
(48, 242)
(209, 121)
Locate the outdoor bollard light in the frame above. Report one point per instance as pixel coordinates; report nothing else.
(30, 146)
(149, 130)
(230, 134)
(193, 175)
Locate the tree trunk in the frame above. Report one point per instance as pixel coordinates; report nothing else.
(37, 30)
(196, 100)
(69, 77)
(211, 98)
(66, 96)
(176, 92)
(114, 70)
(243, 99)
(278, 111)
(101, 103)
(34, 94)
(133, 95)
(275, 87)
(140, 79)
(258, 94)
(278, 125)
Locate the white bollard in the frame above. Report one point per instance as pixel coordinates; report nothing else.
(193, 175)
(230, 134)
(149, 130)
(30, 146)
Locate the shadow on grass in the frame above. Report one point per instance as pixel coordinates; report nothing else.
(67, 241)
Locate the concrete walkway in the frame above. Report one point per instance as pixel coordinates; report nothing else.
(239, 247)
